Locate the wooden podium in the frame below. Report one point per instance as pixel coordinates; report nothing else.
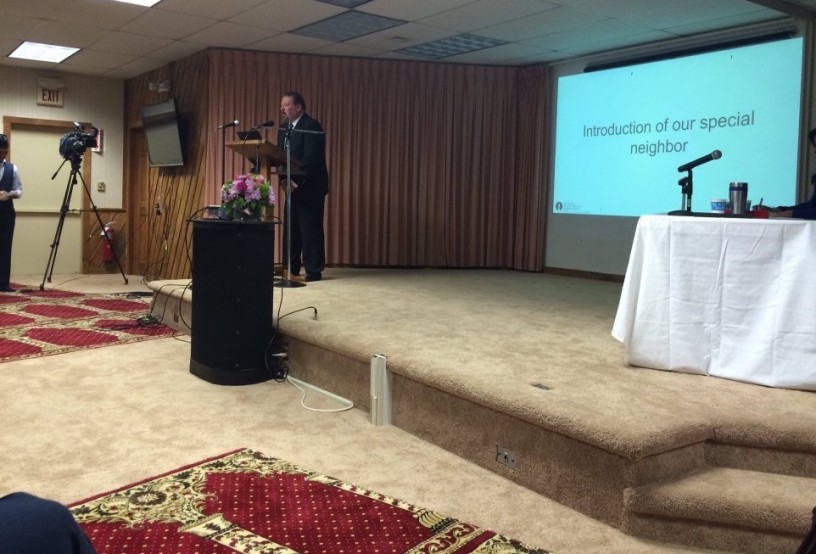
(271, 159)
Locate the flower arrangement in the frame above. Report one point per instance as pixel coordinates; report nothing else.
(246, 196)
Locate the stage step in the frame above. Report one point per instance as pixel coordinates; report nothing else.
(730, 498)
(173, 303)
(724, 508)
(756, 458)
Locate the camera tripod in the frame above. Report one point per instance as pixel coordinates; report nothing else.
(76, 161)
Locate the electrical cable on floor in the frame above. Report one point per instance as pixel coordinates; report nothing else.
(69, 280)
(348, 404)
(296, 311)
(135, 294)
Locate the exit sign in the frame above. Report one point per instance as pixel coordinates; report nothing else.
(50, 96)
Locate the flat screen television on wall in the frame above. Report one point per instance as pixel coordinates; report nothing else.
(162, 129)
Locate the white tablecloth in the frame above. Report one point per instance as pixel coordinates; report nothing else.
(735, 298)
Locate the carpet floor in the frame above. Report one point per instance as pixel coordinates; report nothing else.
(40, 323)
(247, 502)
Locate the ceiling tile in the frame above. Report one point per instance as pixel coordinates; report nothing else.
(108, 15)
(506, 54)
(413, 10)
(401, 37)
(717, 24)
(90, 58)
(129, 43)
(551, 21)
(176, 50)
(139, 66)
(216, 9)
(620, 8)
(484, 13)
(612, 42)
(279, 15)
(538, 31)
(39, 9)
(227, 34)
(158, 24)
(692, 12)
(347, 49)
(76, 35)
(287, 42)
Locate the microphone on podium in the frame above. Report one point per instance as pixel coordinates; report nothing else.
(716, 155)
(228, 124)
(269, 123)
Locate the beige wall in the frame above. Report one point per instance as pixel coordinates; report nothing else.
(38, 211)
(90, 99)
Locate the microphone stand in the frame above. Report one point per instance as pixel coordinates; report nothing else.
(257, 167)
(686, 188)
(223, 155)
(288, 283)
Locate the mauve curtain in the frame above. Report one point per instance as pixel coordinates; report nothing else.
(423, 158)
(533, 161)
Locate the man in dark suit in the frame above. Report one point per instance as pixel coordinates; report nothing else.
(307, 143)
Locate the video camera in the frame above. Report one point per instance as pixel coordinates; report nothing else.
(72, 145)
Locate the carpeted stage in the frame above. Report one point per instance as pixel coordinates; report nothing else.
(525, 362)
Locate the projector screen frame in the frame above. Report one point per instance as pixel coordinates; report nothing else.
(600, 244)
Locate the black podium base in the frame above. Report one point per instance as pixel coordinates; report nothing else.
(249, 376)
(288, 284)
(232, 302)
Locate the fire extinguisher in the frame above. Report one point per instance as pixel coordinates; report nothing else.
(107, 250)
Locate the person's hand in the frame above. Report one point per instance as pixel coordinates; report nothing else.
(4, 196)
(780, 213)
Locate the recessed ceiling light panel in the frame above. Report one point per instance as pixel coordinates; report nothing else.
(42, 52)
(451, 46)
(347, 25)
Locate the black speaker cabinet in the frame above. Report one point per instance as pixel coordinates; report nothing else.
(233, 273)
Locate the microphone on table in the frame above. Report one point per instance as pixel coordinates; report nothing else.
(716, 155)
(228, 124)
(269, 123)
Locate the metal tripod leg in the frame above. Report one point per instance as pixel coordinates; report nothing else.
(66, 203)
(52, 257)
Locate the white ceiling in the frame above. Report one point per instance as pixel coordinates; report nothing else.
(125, 40)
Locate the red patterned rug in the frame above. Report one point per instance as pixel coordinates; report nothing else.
(40, 323)
(247, 502)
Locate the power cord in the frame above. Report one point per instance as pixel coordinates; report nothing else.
(301, 386)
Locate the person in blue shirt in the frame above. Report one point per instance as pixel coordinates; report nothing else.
(10, 188)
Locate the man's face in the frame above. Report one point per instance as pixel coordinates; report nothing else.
(289, 110)
(3, 152)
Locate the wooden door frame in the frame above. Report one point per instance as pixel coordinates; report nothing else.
(12, 122)
(130, 194)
